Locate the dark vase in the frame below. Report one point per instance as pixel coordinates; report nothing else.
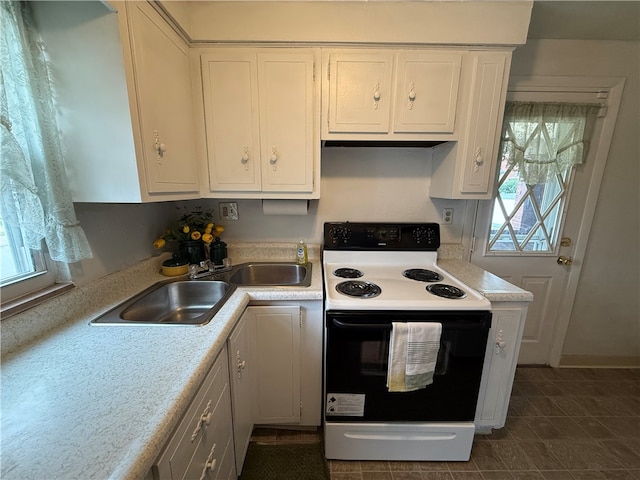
(192, 250)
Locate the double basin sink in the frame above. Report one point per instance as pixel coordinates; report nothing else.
(183, 301)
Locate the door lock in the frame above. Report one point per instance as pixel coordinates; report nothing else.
(565, 242)
(566, 261)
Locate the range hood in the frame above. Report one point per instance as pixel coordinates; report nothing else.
(381, 143)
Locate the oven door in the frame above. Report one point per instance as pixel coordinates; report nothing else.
(357, 351)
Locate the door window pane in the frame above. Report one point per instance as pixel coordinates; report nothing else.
(526, 218)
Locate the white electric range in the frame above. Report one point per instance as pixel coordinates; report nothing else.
(376, 275)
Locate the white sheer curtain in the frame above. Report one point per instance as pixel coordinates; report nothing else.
(33, 185)
(546, 139)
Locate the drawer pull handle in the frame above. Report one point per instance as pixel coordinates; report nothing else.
(210, 464)
(205, 418)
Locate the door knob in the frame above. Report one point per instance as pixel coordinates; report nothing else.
(566, 261)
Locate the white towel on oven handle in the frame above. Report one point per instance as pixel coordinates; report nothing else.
(397, 363)
(423, 345)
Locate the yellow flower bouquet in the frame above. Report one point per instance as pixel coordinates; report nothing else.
(195, 225)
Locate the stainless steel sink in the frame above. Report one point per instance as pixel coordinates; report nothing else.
(262, 274)
(171, 302)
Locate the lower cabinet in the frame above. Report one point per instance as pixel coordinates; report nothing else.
(241, 377)
(269, 372)
(501, 358)
(275, 337)
(202, 444)
(286, 352)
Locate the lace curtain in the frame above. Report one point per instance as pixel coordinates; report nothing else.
(33, 185)
(546, 139)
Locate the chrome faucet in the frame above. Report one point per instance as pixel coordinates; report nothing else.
(207, 267)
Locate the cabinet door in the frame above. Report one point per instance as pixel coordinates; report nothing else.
(503, 345)
(360, 92)
(426, 92)
(231, 118)
(164, 104)
(240, 370)
(485, 121)
(276, 349)
(287, 119)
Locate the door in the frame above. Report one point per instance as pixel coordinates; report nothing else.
(427, 92)
(240, 373)
(161, 63)
(360, 92)
(230, 87)
(546, 258)
(275, 334)
(287, 120)
(356, 363)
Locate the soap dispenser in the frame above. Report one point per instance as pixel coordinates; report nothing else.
(301, 253)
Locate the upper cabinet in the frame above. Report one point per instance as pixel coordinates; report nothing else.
(161, 108)
(388, 94)
(123, 86)
(261, 120)
(466, 168)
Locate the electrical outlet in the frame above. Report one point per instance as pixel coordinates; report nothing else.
(447, 216)
(228, 210)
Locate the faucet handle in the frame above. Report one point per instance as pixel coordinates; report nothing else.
(193, 271)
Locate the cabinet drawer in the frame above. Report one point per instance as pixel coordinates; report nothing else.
(204, 432)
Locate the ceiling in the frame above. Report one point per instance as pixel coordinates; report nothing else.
(585, 20)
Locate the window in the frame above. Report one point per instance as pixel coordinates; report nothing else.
(541, 143)
(37, 220)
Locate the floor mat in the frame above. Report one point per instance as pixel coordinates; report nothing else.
(285, 462)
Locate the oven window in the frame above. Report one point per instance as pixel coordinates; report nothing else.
(373, 357)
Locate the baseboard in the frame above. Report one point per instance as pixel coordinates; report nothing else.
(593, 361)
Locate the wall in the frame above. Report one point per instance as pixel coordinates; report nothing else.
(120, 235)
(606, 316)
(357, 184)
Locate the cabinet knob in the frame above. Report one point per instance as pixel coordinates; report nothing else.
(478, 160)
(412, 95)
(376, 96)
(500, 343)
(159, 147)
(273, 160)
(245, 158)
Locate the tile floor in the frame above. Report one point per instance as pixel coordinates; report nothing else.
(563, 424)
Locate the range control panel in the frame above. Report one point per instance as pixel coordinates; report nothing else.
(381, 236)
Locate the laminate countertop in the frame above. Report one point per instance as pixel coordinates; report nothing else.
(97, 402)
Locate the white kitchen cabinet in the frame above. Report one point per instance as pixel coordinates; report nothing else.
(503, 345)
(242, 382)
(162, 102)
(286, 342)
(466, 168)
(383, 94)
(202, 444)
(276, 351)
(124, 97)
(261, 118)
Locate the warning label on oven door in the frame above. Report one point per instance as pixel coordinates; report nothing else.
(345, 404)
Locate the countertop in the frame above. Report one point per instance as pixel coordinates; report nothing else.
(83, 401)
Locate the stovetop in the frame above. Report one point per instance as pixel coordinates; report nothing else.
(375, 257)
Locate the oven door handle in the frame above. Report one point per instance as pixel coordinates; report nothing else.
(361, 326)
(469, 325)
